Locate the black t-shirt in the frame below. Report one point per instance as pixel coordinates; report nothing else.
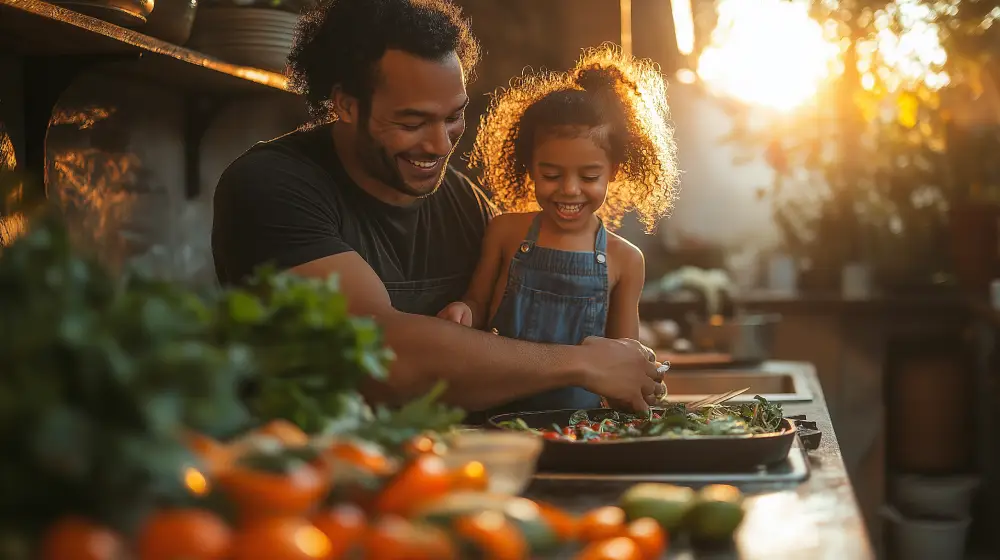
(290, 201)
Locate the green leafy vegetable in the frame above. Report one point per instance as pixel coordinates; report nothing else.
(393, 428)
(98, 378)
(675, 420)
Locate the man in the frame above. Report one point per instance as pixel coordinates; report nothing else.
(370, 197)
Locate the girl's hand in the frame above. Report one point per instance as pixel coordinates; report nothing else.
(457, 312)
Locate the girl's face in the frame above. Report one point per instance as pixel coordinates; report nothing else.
(571, 175)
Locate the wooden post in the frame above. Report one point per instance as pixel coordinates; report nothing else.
(625, 8)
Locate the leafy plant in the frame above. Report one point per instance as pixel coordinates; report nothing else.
(97, 382)
(311, 355)
(392, 428)
(713, 286)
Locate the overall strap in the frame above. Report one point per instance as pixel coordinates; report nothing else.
(601, 243)
(532, 238)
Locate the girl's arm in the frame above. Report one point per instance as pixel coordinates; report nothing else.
(623, 312)
(484, 279)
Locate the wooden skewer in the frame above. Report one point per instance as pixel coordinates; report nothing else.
(716, 399)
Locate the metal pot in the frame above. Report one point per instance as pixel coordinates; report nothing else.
(126, 13)
(747, 338)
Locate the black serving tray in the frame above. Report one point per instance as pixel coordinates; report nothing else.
(653, 454)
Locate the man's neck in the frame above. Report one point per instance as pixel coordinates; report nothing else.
(344, 143)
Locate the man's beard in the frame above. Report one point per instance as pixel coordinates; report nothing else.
(377, 162)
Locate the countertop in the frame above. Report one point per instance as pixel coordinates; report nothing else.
(816, 519)
(936, 302)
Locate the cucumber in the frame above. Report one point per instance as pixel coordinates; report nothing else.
(666, 503)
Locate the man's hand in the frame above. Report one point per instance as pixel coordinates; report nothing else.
(457, 312)
(623, 370)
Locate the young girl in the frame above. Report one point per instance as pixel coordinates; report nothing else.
(567, 155)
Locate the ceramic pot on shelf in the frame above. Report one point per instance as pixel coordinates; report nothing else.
(171, 20)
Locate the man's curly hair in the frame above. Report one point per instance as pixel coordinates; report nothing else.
(339, 43)
(620, 99)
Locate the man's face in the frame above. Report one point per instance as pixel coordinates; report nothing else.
(416, 118)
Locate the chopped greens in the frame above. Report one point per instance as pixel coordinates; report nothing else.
(758, 417)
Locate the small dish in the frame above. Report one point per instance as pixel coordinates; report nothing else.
(510, 458)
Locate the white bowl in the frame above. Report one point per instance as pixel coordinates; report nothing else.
(919, 539)
(933, 496)
(509, 457)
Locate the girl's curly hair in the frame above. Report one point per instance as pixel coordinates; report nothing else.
(624, 96)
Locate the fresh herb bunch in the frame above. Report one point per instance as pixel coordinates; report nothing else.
(394, 428)
(311, 355)
(97, 382)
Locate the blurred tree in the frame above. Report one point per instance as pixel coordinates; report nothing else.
(894, 138)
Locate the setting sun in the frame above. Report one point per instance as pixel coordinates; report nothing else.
(773, 54)
(768, 53)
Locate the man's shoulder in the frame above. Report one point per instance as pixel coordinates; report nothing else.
(274, 166)
(296, 148)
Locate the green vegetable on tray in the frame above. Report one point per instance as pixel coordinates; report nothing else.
(758, 417)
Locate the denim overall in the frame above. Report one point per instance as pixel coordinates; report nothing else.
(558, 297)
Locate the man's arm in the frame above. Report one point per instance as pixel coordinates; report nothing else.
(481, 369)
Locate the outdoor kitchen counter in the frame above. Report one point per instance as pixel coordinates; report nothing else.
(815, 519)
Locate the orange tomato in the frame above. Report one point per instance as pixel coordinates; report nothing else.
(426, 477)
(562, 524)
(285, 432)
(471, 476)
(258, 493)
(366, 457)
(602, 523)
(191, 534)
(493, 534)
(649, 536)
(76, 538)
(344, 525)
(394, 538)
(619, 548)
(280, 538)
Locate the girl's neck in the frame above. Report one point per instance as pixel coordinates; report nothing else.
(554, 236)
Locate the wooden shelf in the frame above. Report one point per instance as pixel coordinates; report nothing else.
(35, 28)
